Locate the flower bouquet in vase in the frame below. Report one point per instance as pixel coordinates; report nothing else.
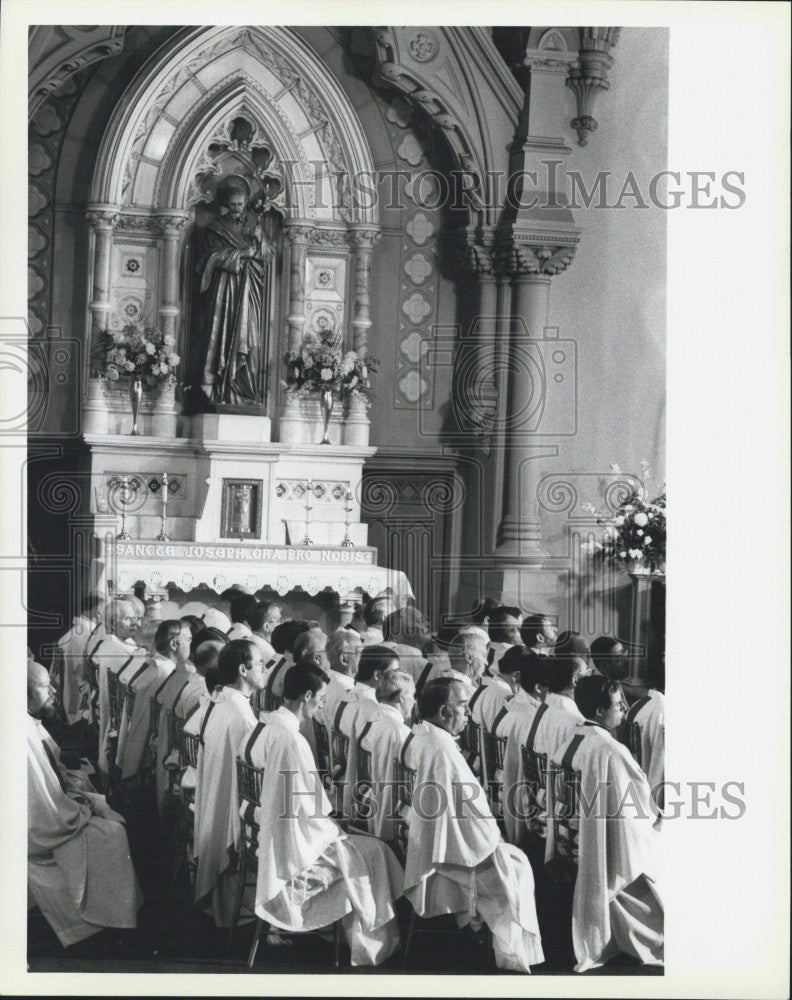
(144, 356)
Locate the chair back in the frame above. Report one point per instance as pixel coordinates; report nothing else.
(189, 748)
(154, 717)
(363, 790)
(494, 748)
(404, 778)
(56, 677)
(91, 674)
(322, 744)
(249, 779)
(272, 702)
(174, 725)
(470, 741)
(339, 743)
(115, 697)
(634, 743)
(129, 699)
(564, 784)
(535, 768)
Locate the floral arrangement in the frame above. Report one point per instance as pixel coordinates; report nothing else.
(135, 352)
(320, 365)
(635, 537)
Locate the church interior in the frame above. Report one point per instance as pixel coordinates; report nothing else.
(347, 345)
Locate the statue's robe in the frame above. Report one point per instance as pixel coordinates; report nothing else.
(79, 870)
(234, 300)
(457, 861)
(310, 872)
(617, 905)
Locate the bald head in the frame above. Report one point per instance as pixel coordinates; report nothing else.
(468, 653)
(310, 646)
(125, 617)
(40, 693)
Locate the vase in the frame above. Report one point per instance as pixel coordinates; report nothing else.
(135, 396)
(356, 425)
(326, 401)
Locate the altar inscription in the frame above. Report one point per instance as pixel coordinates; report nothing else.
(259, 553)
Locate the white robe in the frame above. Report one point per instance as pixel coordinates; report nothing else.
(337, 691)
(218, 829)
(239, 630)
(122, 658)
(181, 692)
(72, 650)
(494, 696)
(362, 707)
(617, 906)
(651, 722)
(374, 636)
(310, 873)
(384, 741)
(133, 736)
(79, 870)
(413, 662)
(456, 860)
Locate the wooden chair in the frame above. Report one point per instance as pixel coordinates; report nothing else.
(322, 741)
(154, 721)
(470, 743)
(362, 792)
(249, 780)
(634, 743)
(174, 725)
(115, 695)
(91, 731)
(57, 680)
(563, 783)
(535, 770)
(189, 744)
(339, 751)
(493, 748)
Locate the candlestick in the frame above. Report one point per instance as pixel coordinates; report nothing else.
(309, 492)
(162, 537)
(347, 543)
(123, 535)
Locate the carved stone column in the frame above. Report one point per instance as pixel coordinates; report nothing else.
(298, 237)
(103, 219)
(589, 74)
(363, 241)
(531, 268)
(171, 226)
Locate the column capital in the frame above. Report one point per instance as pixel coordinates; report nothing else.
(547, 259)
(299, 234)
(589, 74)
(103, 218)
(171, 225)
(365, 238)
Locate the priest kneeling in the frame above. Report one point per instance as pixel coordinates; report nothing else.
(457, 861)
(310, 872)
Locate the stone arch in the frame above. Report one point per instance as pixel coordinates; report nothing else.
(195, 81)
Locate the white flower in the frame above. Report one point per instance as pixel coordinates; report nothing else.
(175, 359)
(636, 554)
(112, 373)
(129, 366)
(639, 532)
(150, 348)
(619, 521)
(647, 540)
(326, 374)
(610, 532)
(622, 555)
(353, 382)
(640, 519)
(170, 340)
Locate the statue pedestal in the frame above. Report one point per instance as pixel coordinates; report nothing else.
(230, 427)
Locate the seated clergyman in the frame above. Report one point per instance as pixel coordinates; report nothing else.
(617, 905)
(310, 872)
(79, 870)
(457, 861)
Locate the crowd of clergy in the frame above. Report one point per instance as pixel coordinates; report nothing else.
(355, 785)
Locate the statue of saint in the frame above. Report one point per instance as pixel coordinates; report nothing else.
(233, 272)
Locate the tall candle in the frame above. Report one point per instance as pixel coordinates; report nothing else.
(164, 493)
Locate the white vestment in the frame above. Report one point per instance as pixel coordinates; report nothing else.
(310, 873)
(374, 636)
(651, 722)
(456, 860)
(239, 630)
(384, 741)
(72, 650)
(133, 736)
(181, 692)
(496, 692)
(617, 906)
(218, 831)
(362, 707)
(337, 691)
(124, 659)
(79, 870)
(413, 662)
(267, 650)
